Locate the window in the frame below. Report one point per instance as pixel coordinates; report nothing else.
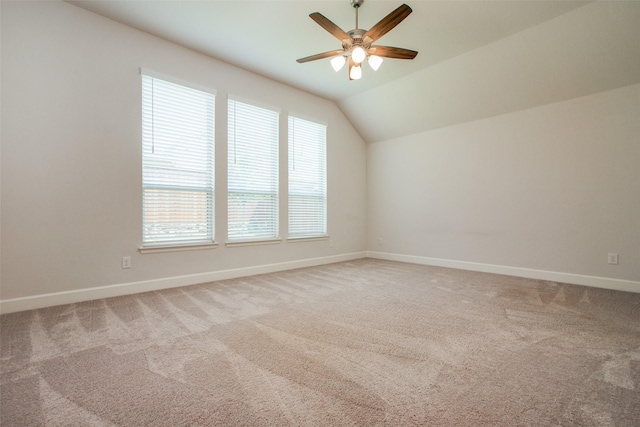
(307, 178)
(253, 172)
(177, 163)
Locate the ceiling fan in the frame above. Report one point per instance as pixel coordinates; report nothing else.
(357, 44)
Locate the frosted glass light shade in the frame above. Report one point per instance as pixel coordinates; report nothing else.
(375, 62)
(356, 72)
(358, 54)
(338, 62)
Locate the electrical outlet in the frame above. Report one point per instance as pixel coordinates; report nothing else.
(379, 240)
(126, 262)
(330, 243)
(612, 259)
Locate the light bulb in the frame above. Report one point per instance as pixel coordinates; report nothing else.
(375, 62)
(338, 62)
(356, 72)
(358, 54)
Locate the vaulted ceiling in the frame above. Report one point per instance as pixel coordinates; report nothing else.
(476, 58)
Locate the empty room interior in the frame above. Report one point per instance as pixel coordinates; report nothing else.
(202, 223)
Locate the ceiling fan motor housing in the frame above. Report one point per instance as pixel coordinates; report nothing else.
(356, 3)
(356, 35)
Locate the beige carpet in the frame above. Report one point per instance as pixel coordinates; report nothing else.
(357, 343)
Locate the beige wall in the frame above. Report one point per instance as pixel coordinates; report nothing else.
(554, 189)
(71, 156)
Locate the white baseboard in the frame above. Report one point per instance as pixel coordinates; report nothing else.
(553, 276)
(69, 297)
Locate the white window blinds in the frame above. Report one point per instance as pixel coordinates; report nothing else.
(177, 163)
(252, 172)
(307, 178)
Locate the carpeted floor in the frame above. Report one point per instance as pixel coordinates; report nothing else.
(363, 343)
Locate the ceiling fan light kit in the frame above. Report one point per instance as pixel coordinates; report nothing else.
(356, 72)
(357, 44)
(375, 62)
(358, 54)
(338, 62)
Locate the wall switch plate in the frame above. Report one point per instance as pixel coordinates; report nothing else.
(126, 262)
(612, 259)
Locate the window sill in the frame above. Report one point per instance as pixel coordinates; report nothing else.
(252, 243)
(176, 248)
(307, 239)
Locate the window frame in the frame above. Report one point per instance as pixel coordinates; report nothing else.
(321, 193)
(273, 214)
(191, 166)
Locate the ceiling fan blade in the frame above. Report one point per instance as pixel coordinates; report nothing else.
(388, 22)
(329, 26)
(392, 52)
(320, 56)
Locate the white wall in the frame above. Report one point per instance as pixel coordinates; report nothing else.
(549, 189)
(552, 189)
(71, 158)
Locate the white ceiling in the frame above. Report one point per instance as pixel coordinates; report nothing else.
(267, 37)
